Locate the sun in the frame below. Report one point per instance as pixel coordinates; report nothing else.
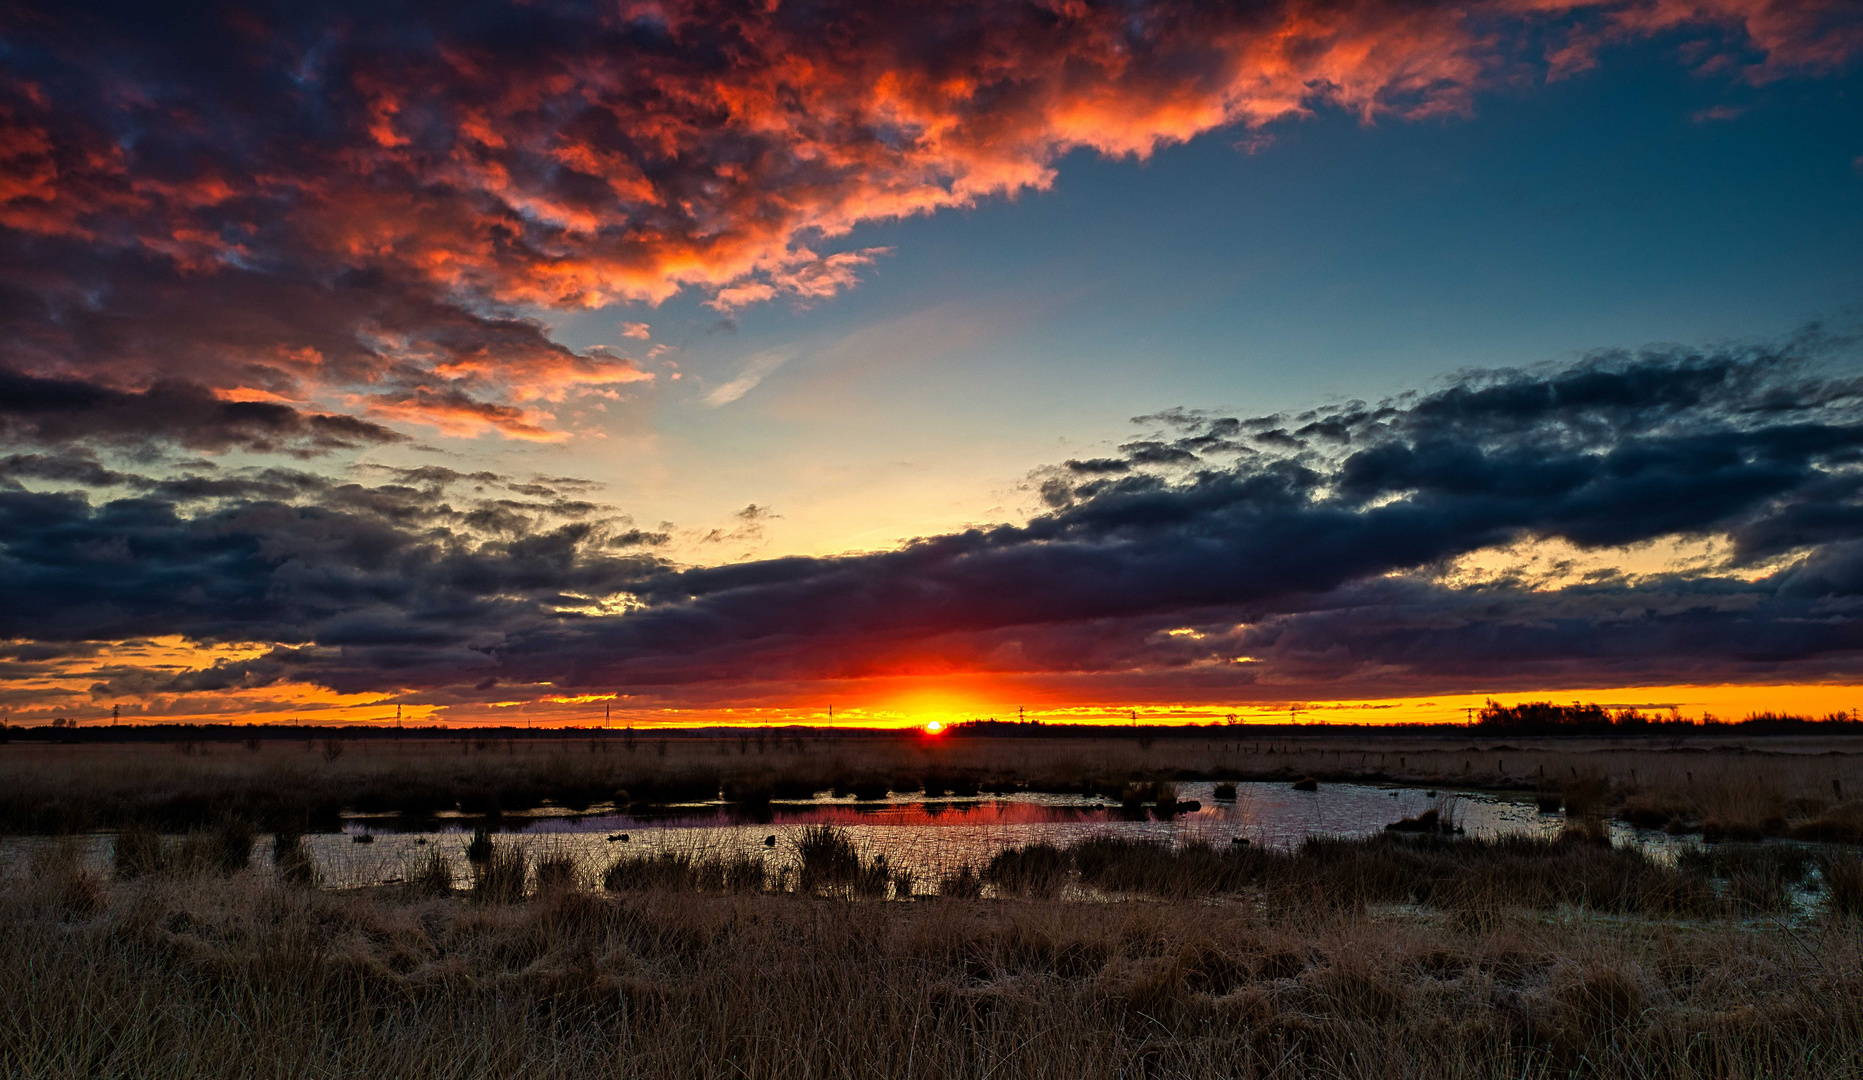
(932, 708)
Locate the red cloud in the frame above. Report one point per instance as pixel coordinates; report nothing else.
(502, 158)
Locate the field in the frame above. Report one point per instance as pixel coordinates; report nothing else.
(1394, 956)
(1302, 966)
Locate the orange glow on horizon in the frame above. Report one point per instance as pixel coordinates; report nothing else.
(69, 689)
(932, 711)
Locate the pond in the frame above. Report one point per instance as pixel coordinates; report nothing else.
(926, 837)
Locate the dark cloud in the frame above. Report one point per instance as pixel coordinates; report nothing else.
(74, 412)
(297, 559)
(1622, 450)
(1153, 452)
(1317, 567)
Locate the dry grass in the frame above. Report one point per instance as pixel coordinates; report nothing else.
(206, 974)
(1394, 956)
(1729, 787)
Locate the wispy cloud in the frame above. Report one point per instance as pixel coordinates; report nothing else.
(756, 369)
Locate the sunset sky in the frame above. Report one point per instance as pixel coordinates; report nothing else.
(1348, 360)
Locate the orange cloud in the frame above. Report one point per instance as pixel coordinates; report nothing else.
(457, 415)
(396, 197)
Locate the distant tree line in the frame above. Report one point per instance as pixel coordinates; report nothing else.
(1549, 718)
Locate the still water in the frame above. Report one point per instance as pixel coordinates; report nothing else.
(926, 837)
(929, 838)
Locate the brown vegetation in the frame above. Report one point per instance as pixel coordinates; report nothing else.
(1306, 968)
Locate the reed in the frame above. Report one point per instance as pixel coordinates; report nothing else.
(964, 883)
(207, 974)
(557, 872)
(430, 875)
(1035, 870)
(1843, 883)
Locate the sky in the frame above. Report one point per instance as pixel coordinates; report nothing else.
(699, 363)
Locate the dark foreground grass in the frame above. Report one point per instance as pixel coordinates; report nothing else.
(187, 973)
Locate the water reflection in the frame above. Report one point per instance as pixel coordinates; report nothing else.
(929, 838)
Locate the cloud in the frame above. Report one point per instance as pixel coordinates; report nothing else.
(126, 324)
(756, 369)
(69, 411)
(432, 562)
(1326, 555)
(355, 202)
(804, 276)
(636, 330)
(454, 413)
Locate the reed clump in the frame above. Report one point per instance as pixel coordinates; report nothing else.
(1034, 870)
(1839, 824)
(827, 854)
(1843, 883)
(1450, 873)
(500, 878)
(829, 860)
(557, 872)
(431, 875)
(141, 851)
(683, 871)
(67, 889)
(964, 883)
(1759, 877)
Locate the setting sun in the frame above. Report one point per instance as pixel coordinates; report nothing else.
(934, 727)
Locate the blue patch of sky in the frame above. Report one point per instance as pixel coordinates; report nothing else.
(1339, 261)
